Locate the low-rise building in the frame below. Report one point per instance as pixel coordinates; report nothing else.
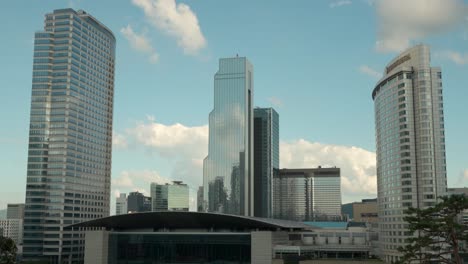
(364, 211)
(198, 237)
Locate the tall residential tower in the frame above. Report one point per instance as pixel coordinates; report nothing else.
(409, 123)
(70, 136)
(266, 159)
(228, 168)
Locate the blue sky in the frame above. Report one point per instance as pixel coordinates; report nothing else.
(315, 62)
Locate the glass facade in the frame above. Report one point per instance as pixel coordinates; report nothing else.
(228, 168)
(170, 197)
(266, 159)
(183, 248)
(70, 136)
(307, 194)
(409, 123)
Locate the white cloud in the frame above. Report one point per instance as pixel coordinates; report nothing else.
(177, 20)
(136, 180)
(140, 43)
(401, 21)
(172, 140)
(370, 72)
(275, 101)
(340, 3)
(358, 166)
(119, 140)
(456, 57)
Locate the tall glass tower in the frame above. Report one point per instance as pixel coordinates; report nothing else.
(70, 136)
(409, 123)
(266, 159)
(228, 168)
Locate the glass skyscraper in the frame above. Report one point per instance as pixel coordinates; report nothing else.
(170, 197)
(228, 168)
(70, 136)
(409, 124)
(307, 194)
(266, 159)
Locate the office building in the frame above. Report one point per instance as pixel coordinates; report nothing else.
(365, 211)
(138, 203)
(12, 228)
(170, 197)
(15, 211)
(307, 194)
(266, 159)
(121, 204)
(70, 136)
(230, 149)
(410, 138)
(200, 204)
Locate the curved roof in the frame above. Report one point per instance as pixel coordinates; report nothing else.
(189, 220)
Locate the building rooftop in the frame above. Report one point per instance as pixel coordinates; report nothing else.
(191, 220)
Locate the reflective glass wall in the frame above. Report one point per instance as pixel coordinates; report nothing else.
(70, 136)
(307, 194)
(227, 170)
(266, 159)
(183, 248)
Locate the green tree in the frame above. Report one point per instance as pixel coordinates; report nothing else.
(436, 232)
(7, 250)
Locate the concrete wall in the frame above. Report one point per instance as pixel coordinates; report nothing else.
(96, 247)
(262, 247)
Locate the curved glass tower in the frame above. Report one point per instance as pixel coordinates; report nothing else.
(228, 168)
(70, 134)
(409, 124)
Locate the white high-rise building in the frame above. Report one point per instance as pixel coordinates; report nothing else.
(409, 124)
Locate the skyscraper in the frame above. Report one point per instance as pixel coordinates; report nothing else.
(121, 204)
(170, 197)
(266, 159)
(409, 124)
(229, 164)
(307, 194)
(70, 136)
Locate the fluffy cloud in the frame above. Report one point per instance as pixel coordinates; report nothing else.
(402, 21)
(174, 140)
(177, 20)
(275, 101)
(358, 166)
(456, 57)
(133, 180)
(340, 3)
(370, 72)
(140, 43)
(119, 140)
